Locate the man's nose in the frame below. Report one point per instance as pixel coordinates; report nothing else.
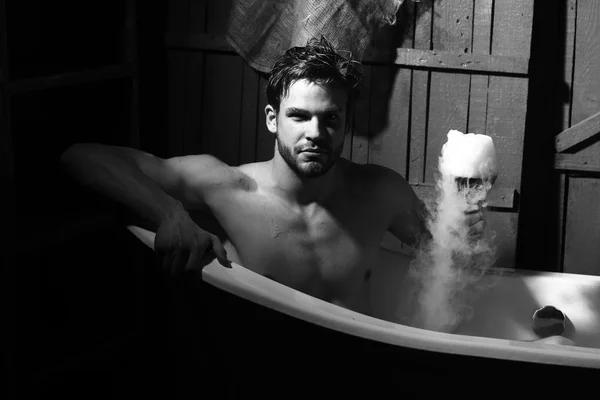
(316, 128)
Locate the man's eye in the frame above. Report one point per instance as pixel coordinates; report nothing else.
(298, 117)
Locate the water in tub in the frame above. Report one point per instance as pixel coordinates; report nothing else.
(448, 269)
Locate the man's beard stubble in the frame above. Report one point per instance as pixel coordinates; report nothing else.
(314, 169)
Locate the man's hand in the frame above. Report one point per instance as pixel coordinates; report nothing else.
(181, 245)
(475, 222)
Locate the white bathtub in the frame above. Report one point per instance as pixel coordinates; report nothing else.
(498, 331)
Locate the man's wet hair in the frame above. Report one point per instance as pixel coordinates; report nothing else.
(317, 62)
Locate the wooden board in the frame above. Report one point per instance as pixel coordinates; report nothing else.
(185, 71)
(360, 135)
(586, 86)
(561, 200)
(579, 135)
(449, 92)
(582, 253)
(265, 141)
(389, 122)
(193, 141)
(221, 109)
(420, 97)
(567, 26)
(197, 14)
(506, 115)
(177, 106)
(576, 163)
(249, 115)
(580, 217)
(482, 31)
(507, 97)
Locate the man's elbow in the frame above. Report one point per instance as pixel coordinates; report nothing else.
(74, 153)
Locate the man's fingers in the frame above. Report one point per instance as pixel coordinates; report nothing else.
(474, 218)
(220, 252)
(194, 259)
(477, 228)
(179, 261)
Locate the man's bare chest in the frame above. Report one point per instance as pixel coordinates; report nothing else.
(321, 249)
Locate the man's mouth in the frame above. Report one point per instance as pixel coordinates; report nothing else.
(315, 151)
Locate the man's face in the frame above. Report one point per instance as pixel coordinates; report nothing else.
(309, 127)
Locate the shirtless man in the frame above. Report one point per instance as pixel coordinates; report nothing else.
(307, 218)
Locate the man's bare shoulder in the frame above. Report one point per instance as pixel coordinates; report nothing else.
(208, 170)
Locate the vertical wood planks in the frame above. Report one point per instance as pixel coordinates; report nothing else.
(586, 87)
(449, 92)
(420, 96)
(389, 121)
(177, 21)
(482, 35)
(569, 17)
(265, 141)
(360, 134)
(390, 106)
(568, 27)
(563, 188)
(582, 233)
(506, 112)
(582, 216)
(177, 109)
(195, 64)
(249, 115)
(507, 104)
(222, 107)
(347, 149)
(222, 102)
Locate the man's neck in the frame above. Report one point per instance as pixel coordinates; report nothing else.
(302, 191)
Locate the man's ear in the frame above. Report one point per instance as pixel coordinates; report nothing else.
(271, 118)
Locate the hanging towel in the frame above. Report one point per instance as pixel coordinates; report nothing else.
(262, 30)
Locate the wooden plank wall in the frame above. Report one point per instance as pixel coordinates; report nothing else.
(580, 214)
(216, 102)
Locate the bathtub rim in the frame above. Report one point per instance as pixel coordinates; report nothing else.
(256, 288)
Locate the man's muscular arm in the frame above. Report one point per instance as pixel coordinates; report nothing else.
(156, 190)
(410, 216)
(405, 212)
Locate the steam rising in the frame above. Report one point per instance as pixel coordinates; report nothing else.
(447, 268)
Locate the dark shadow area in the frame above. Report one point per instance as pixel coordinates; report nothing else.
(42, 43)
(537, 246)
(152, 74)
(76, 302)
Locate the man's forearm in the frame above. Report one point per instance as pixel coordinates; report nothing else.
(110, 173)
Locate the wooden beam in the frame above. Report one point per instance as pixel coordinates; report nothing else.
(584, 130)
(452, 60)
(497, 197)
(405, 57)
(576, 163)
(73, 78)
